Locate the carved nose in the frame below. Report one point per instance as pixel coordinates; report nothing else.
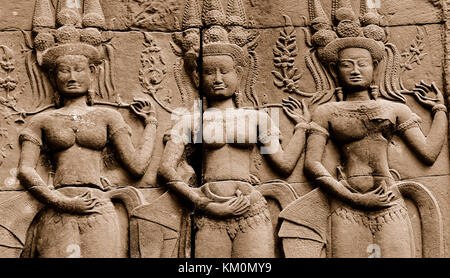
(355, 71)
(72, 76)
(218, 79)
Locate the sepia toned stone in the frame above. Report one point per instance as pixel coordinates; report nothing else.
(224, 128)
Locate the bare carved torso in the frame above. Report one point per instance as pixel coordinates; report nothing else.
(363, 130)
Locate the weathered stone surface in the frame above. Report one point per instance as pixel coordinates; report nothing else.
(270, 56)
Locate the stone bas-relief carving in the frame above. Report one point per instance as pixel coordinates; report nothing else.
(231, 217)
(79, 215)
(363, 206)
(232, 137)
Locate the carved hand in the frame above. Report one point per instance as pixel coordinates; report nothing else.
(143, 108)
(83, 204)
(375, 199)
(234, 207)
(423, 89)
(297, 111)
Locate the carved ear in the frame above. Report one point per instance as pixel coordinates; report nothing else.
(93, 70)
(240, 72)
(376, 71)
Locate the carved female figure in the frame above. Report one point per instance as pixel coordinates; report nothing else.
(366, 205)
(231, 216)
(78, 214)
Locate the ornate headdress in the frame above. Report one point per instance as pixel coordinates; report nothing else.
(225, 35)
(347, 31)
(222, 35)
(68, 39)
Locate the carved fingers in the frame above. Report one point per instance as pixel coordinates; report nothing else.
(143, 108)
(233, 207)
(296, 110)
(422, 91)
(240, 204)
(82, 204)
(376, 199)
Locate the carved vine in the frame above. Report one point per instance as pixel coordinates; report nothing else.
(149, 14)
(8, 99)
(415, 54)
(286, 77)
(153, 70)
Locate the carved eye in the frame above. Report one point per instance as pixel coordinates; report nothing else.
(363, 64)
(63, 70)
(345, 65)
(208, 71)
(225, 71)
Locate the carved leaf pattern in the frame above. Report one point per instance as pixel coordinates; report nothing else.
(415, 54)
(287, 77)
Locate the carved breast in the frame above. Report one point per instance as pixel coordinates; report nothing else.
(356, 120)
(62, 131)
(235, 127)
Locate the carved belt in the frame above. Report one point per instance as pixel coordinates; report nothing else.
(246, 189)
(104, 202)
(257, 214)
(374, 220)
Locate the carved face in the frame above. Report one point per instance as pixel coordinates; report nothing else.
(221, 77)
(355, 68)
(73, 75)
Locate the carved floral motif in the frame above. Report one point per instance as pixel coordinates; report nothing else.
(151, 14)
(287, 77)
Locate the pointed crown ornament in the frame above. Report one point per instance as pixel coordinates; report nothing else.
(348, 31)
(225, 33)
(68, 39)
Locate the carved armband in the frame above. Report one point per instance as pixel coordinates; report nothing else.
(414, 121)
(28, 137)
(314, 128)
(437, 108)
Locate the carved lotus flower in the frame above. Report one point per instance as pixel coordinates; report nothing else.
(215, 34)
(43, 41)
(374, 32)
(238, 35)
(323, 37)
(348, 28)
(67, 34)
(91, 36)
(191, 40)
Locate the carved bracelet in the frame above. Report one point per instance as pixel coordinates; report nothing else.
(438, 107)
(303, 125)
(151, 120)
